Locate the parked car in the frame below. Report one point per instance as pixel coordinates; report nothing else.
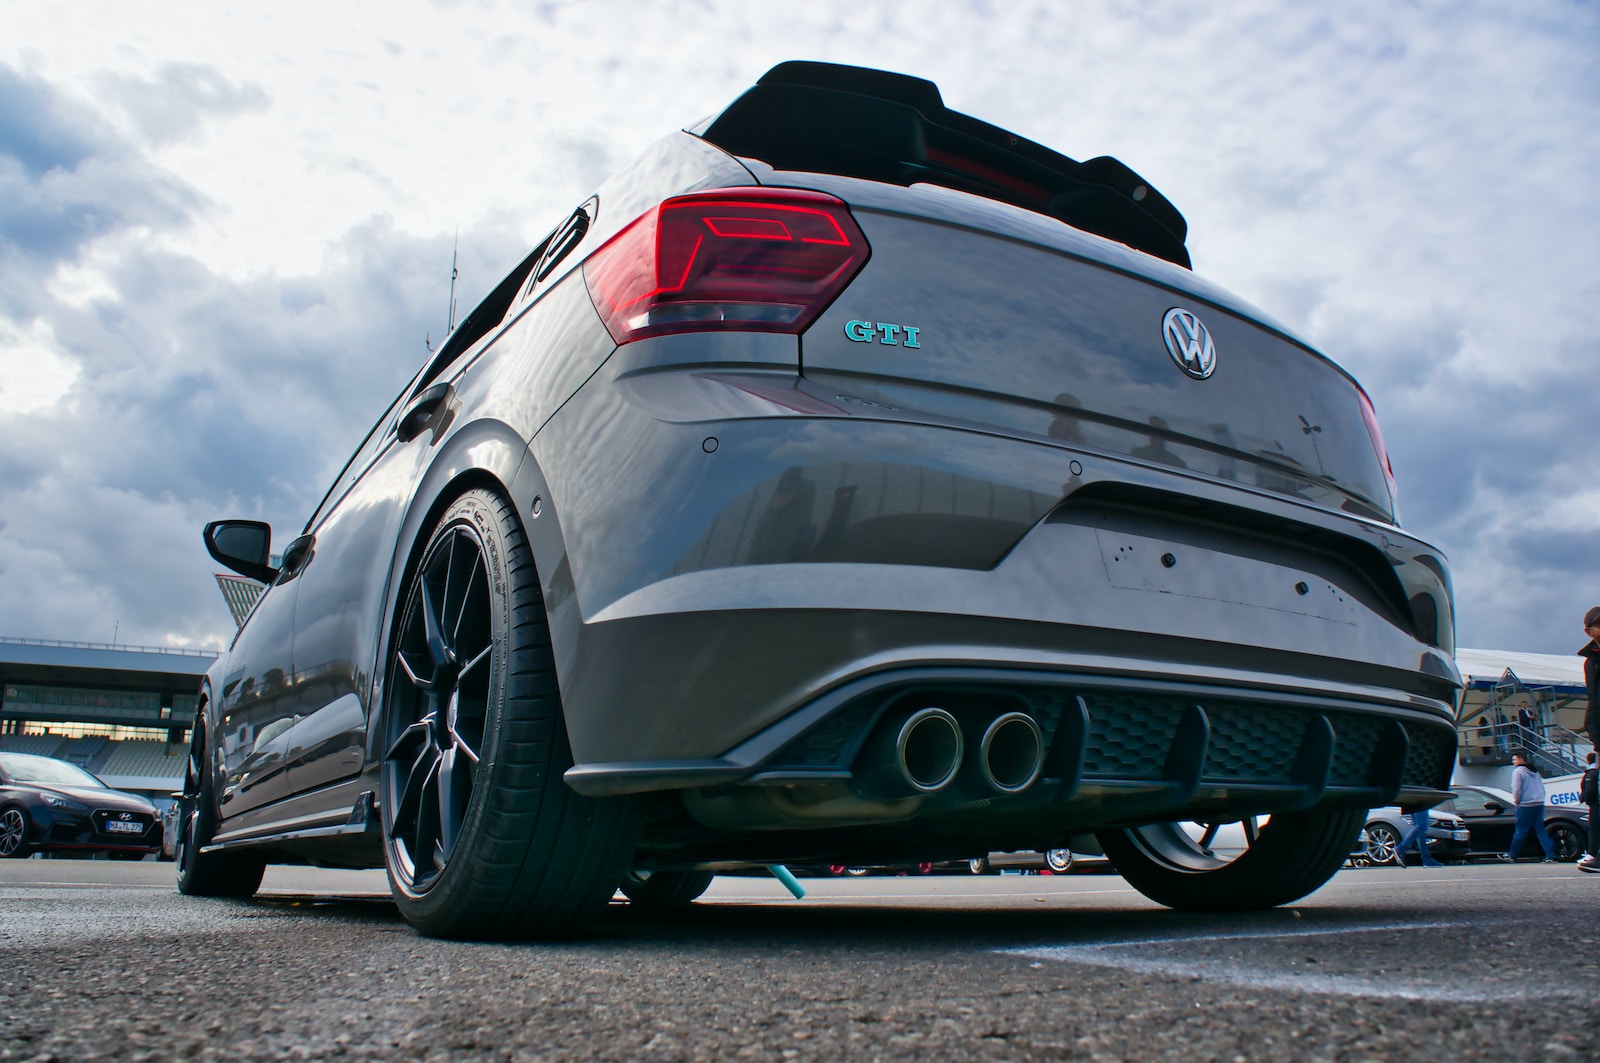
(1042, 532)
(1058, 861)
(1488, 812)
(921, 867)
(49, 805)
(1447, 836)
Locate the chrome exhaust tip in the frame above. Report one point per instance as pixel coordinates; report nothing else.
(928, 749)
(1011, 753)
(912, 756)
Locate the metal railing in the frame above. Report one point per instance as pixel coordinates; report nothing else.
(181, 651)
(1550, 748)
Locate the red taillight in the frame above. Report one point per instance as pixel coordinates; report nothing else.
(758, 259)
(1370, 416)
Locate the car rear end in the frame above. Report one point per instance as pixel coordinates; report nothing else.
(928, 496)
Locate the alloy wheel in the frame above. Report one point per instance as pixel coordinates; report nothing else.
(1383, 844)
(13, 830)
(442, 684)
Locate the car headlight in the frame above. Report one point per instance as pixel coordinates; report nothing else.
(57, 801)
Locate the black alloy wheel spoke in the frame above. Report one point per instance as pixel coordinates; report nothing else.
(1250, 829)
(407, 811)
(466, 751)
(409, 739)
(410, 674)
(434, 632)
(452, 805)
(427, 835)
(1209, 836)
(466, 598)
(481, 657)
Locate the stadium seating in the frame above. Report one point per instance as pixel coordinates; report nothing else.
(145, 758)
(38, 745)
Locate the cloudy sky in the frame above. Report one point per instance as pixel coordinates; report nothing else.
(226, 231)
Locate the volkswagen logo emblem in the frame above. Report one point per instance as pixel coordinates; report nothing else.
(1189, 343)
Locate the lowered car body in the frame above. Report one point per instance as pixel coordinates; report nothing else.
(846, 480)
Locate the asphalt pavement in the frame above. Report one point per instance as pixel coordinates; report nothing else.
(105, 961)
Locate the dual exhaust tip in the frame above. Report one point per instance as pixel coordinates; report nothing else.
(923, 752)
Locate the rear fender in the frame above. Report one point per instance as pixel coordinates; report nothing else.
(481, 454)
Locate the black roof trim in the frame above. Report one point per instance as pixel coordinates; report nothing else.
(882, 126)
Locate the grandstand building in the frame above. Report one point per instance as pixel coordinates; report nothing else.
(122, 712)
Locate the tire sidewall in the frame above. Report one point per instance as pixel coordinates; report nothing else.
(473, 510)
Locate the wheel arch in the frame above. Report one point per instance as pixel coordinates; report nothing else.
(484, 454)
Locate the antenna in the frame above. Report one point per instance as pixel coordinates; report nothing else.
(454, 250)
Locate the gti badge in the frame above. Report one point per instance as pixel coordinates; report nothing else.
(1189, 343)
(882, 332)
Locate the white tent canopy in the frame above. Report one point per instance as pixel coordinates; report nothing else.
(1486, 667)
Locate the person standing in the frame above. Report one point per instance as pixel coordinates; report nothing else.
(1418, 835)
(1589, 794)
(1591, 674)
(1527, 792)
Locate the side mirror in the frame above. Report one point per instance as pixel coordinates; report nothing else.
(1494, 808)
(242, 545)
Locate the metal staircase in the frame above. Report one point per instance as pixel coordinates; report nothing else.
(1519, 718)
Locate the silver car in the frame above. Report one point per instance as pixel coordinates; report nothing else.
(848, 479)
(1447, 836)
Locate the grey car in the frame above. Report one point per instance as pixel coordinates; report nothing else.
(847, 480)
(1447, 837)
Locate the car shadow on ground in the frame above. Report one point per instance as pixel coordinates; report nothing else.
(783, 924)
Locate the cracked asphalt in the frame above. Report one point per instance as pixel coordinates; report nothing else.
(105, 961)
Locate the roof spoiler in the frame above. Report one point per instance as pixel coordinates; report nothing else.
(858, 122)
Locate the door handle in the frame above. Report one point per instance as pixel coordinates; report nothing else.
(295, 555)
(420, 412)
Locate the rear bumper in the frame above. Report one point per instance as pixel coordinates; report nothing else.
(746, 583)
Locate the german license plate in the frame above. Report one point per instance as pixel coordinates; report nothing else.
(118, 826)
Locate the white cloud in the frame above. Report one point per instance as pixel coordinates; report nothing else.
(34, 373)
(209, 210)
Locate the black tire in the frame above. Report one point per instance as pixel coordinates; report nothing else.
(1383, 844)
(1284, 859)
(14, 827)
(1058, 860)
(208, 874)
(665, 889)
(483, 840)
(1568, 840)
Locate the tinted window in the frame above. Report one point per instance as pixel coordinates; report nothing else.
(23, 768)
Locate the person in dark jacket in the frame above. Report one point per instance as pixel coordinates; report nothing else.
(1591, 674)
(1589, 794)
